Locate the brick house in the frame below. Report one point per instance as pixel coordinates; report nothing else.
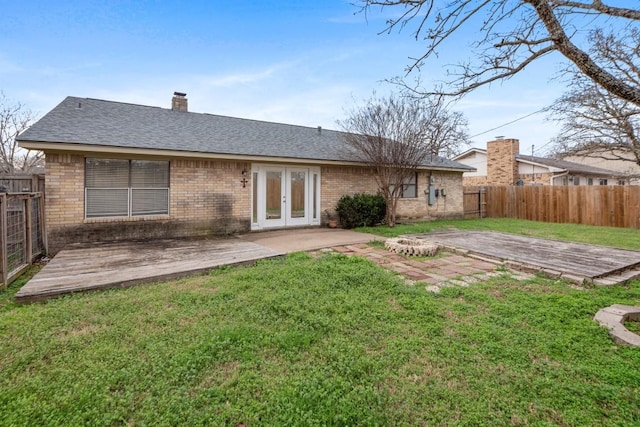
(620, 161)
(502, 164)
(119, 171)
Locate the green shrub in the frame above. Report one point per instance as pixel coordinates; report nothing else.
(361, 210)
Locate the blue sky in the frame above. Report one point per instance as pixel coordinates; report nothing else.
(299, 62)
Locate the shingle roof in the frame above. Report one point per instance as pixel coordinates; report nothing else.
(574, 168)
(106, 123)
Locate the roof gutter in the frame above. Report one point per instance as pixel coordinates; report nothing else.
(565, 173)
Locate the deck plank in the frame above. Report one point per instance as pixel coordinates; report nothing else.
(108, 265)
(589, 261)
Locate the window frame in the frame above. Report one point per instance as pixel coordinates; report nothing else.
(131, 191)
(413, 183)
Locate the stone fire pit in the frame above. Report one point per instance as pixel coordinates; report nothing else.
(411, 246)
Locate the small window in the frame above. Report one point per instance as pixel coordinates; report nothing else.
(589, 181)
(621, 182)
(604, 182)
(409, 187)
(576, 180)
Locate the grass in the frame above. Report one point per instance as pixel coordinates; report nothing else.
(315, 341)
(327, 341)
(633, 326)
(606, 236)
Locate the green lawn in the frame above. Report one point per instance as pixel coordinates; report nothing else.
(607, 236)
(332, 340)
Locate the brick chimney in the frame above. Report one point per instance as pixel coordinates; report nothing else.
(179, 102)
(502, 167)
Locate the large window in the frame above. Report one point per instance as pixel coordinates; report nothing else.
(116, 187)
(409, 187)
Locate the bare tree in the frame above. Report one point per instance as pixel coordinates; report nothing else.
(510, 35)
(596, 123)
(15, 118)
(396, 135)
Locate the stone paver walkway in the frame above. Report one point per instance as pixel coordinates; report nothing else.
(449, 269)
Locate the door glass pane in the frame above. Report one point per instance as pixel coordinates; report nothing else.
(298, 197)
(274, 195)
(254, 187)
(315, 196)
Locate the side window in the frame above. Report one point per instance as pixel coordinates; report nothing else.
(409, 188)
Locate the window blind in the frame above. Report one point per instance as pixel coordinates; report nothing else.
(117, 187)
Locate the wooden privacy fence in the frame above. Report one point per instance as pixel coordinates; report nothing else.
(22, 233)
(23, 183)
(474, 203)
(612, 206)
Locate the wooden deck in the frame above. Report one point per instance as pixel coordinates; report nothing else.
(122, 264)
(565, 259)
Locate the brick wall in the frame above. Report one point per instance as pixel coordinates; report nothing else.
(64, 196)
(338, 181)
(502, 167)
(449, 206)
(474, 180)
(540, 178)
(206, 198)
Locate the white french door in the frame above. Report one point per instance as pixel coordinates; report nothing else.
(285, 196)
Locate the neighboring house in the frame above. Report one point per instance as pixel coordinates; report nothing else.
(627, 167)
(502, 164)
(122, 171)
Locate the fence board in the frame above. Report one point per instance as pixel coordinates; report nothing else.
(612, 206)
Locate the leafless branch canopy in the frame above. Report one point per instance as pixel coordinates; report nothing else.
(14, 118)
(596, 123)
(397, 134)
(510, 35)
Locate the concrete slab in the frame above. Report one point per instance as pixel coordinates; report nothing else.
(308, 239)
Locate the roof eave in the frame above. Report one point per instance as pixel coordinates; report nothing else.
(130, 151)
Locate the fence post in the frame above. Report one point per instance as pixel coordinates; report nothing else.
(43, 223)
(3, 236)
(28, 247)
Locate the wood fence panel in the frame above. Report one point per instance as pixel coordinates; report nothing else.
(22, 183)
(612, 206)
(473, 202)
(22, 234)
(619, 205)
(632, 216)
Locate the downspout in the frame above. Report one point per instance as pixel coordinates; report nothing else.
(558, 176)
